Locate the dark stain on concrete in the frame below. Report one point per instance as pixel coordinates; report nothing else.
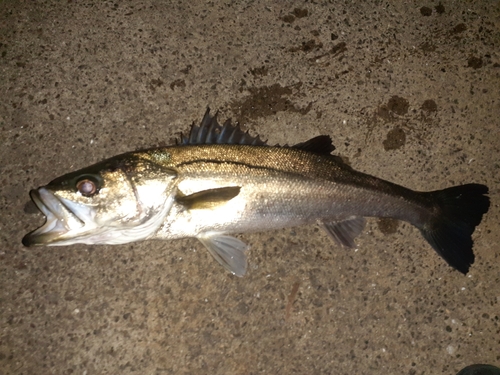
(427, 47)
(425, 11)
(429, 106)
(267, 101)
(187, 69)
(475, 62)
(178, 83)
(296, 13)
(259, 72)
(336, 50)
(308, 46)
(460, 28)
(439, 8)
(428, 111)
(398, 105)
(289, 18)
(395, 106)
(396, 138)
(3, 46)
(387, 226)
(300, 12)
(155, 83)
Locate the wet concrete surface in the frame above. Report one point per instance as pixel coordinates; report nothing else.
(409, 91)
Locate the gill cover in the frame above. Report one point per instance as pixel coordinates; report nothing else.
(120, 200)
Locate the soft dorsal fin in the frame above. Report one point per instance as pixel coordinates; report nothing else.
(322, 145)
(211, 132)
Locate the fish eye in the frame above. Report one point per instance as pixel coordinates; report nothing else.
(86, 187)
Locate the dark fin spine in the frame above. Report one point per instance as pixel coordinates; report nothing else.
(459, 210)
(210, 132)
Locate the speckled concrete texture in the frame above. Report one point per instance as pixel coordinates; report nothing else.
(409, 91)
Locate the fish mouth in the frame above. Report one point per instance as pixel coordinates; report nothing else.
(64, 219)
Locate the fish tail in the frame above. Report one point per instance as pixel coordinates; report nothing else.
(457, 212)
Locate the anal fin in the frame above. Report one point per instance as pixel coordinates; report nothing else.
(343, 232)
(228, 251)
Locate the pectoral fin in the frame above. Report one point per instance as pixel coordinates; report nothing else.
(228, 251)
(343, 232)
(208, 198)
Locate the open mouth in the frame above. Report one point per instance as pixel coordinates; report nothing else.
(61, 219)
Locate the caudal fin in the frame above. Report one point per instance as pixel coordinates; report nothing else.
(459, 210)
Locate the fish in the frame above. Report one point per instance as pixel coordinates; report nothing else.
(219, 181)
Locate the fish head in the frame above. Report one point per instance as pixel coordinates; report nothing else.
(120, 200)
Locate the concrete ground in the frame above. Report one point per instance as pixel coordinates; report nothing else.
(409, 91)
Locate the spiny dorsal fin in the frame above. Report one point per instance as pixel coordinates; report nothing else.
(211, 132)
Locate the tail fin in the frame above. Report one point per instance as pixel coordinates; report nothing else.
(459, 210)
